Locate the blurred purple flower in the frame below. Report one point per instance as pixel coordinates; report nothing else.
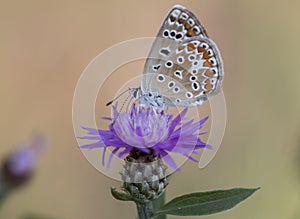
(150, 131)
(19, 166)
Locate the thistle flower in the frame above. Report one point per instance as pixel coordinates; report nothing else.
(18, 167)
(153, 132)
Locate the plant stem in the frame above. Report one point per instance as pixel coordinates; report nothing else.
(3, 194)
(145, 210)
(158, 203)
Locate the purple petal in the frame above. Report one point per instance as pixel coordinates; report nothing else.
(177, 120)
(111, 157)
(90, 137)
(190, 158)
(169, 160)
(106, 118)
(103, 156)
(126, 151)
(93, 145)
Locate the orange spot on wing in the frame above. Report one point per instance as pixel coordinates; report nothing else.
(207, 64)
(206, 55)
(209, 73)
(180, 20)
(181, 47)
(187, 26)
(172, 18)
(191, 33)
(191, 46)
(201, 49)
(208, 85)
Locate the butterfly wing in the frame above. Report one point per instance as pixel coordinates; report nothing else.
(179, 25)
(193, 71)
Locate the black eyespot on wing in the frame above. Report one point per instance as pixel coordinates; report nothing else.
(156, 67)
(169, 63)
(195, 86)
(165, 52)
(166, 33)
(171, 84)
(161, 78)
(178, 36)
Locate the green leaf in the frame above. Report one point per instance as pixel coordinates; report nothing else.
(204, 203)
(122, 196)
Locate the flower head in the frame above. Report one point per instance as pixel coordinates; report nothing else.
(19, 165)
(150, 131)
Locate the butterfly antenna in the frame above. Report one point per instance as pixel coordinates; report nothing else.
(128, 104)
(110, 102)
(123, 104)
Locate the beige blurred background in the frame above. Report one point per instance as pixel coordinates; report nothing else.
(45, 46)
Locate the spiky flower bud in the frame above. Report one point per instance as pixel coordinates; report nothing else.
(144, 176)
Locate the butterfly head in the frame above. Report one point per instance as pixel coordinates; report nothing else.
(147, 99)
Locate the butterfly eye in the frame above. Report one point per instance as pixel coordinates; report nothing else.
(150, 95)
(135, 93)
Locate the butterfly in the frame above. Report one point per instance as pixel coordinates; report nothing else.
(184, 65)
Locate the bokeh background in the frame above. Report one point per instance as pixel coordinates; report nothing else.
(46, 45)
